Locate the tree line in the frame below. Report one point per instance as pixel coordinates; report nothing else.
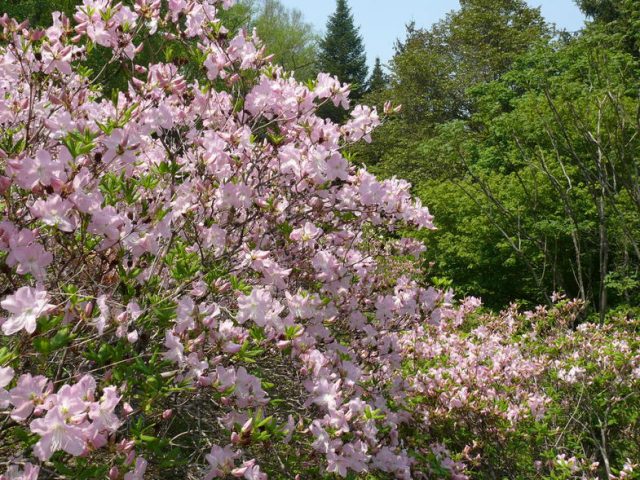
(524, 140)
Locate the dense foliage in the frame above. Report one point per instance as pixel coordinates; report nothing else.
(527, 154)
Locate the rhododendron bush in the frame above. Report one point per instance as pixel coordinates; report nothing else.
(190, 268)
(195, 281)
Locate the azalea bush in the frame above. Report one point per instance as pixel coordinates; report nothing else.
(534, 394)
(593, 381)
(191, 269)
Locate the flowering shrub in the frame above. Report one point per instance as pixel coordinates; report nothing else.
(594, 382)
(523, 395)
(191, 268)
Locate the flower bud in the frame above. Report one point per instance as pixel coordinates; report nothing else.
(128, 409)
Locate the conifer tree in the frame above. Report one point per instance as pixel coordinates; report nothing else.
(342, 50)
(378, 80)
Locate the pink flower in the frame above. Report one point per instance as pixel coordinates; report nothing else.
(221, 461)
(306, 234)
(30, 472)
(388, 461)
(104, 316)
(175, 350)
(6, 374)
(70, 403)
(119, 145)
(41, 169)
(138, 471)
(184, 315)
(248, 389)
(249, 471)
(54, 212)
(107, 222)
(326, 394)
(322, 442)
(27, 394)
(28, 255)
(26, 305)
(56, 434)
(337, 463)
(57, 57)
(260, 307)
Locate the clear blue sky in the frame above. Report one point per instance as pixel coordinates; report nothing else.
(382, 21)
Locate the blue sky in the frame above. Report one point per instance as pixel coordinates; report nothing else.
(382, 21)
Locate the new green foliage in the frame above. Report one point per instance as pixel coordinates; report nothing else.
(525, 146)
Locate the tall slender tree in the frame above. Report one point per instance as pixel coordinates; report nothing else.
(378, 80)
(342, 50)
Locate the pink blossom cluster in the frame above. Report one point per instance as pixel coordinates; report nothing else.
(480, 373)
(72, 419)
(115, 206)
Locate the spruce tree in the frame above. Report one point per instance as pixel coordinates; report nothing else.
(342, 50)
(378, 80)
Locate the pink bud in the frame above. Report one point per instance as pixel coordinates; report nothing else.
(114, 473)
(37, 35)
(167, 414)
(128, 410)
(125, 446)
(130, 457)
(239, 472)
(247, 427)
(235, 438)
(231, 347)
(57, 184)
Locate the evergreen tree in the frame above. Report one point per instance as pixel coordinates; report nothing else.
(378, 80)
(601, 10)
(342, 50)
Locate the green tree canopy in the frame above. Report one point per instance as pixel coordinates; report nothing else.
(288, 37)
